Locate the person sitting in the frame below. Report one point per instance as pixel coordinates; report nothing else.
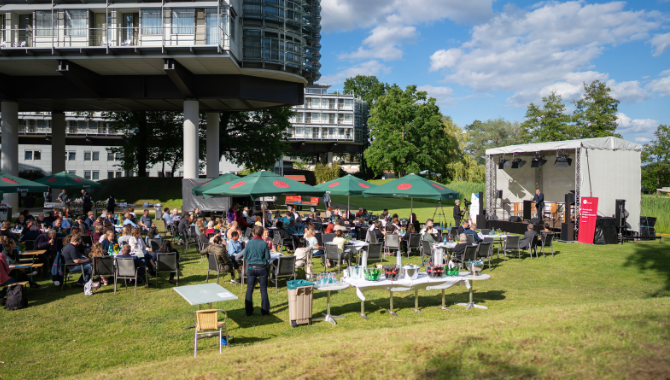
(30, 232)
(9, 249)
(133, 216)
(210, 228)
(360, 212)
(184, 227)
(292, 228)
(268, 239)
(313, 242)
(330, 228)
(462, 227)
(405, 239)
(175, 215)
(98, 222)
(340, 226)
(167, 218)
(242, 222)
(468, 231)
(459, 249)
(235, 247)
(97, 233)
(108, 244)
(430, 235)
(21, 221)
(153, 233)
(49, 219)
(545, 231)
(5, 279)
(340, 242)
(49, 243)
(283, 234)
(245, 212)
(96, 251)
(166, 247)
(145, 221)
(226, 265)
(258, 221)
(429, 223)
(71, 255)
(139, 263)
(527, 238)
(286, 219)
(233, 228)
(317, 217)
(58, 226)
(26, 214)
(6, 230)
(128, 220)
(302, 257)
(41, 222)
(89, 220)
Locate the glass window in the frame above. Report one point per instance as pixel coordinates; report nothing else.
(72, 172)
(183, 21)
(87, 156)
(96, 175)
(117, 157)
(110, 175)
(37, 155)
(71, 156)
(110, 156)
(348, 103)
(87, 174)
(28, 155)
(96, 156)
(151, 21)
(331, 118)
(298, 131)
(118, 174)
(43, 25)
(75, 22)
(347, 118)
(232, 30)
(211, 23)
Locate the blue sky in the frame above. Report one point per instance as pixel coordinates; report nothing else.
(484, 59)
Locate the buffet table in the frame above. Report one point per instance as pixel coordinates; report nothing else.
(422, 282)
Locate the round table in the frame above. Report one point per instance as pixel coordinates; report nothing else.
(330, 288)
(470, 277)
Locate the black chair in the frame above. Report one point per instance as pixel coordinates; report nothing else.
(333, 253)
(375, 252)
(67, 271)
(154, 243)
(213, 266)
(470, 254)
(414, 243)
(426, 251)
(548, 241)
(484, 250)
(373, 237)
(470, 238)
(167, 263)
(284, 268)
(102, 266)
(485, 232)
(532, 247)
(512, 244)
(126, 270)
(327, 238)
(362, 233)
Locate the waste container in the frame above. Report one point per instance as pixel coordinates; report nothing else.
(158, 209)
(5, 213)
(300, 294)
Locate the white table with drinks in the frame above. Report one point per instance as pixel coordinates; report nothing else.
(327, 282)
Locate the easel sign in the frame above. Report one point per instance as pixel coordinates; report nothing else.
(474, 207)
(588, 212)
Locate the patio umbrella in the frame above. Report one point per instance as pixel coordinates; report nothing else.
(67, 181)
(218, 181)
(11, 184)
(347, 185)
(412, 186)
(262, 184)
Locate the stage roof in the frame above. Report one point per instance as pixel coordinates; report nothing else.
(606, 143)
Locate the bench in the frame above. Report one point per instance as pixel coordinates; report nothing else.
(22, 283)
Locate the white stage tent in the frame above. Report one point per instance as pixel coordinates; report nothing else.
(608, 168)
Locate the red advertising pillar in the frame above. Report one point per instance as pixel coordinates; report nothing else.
(588, 211)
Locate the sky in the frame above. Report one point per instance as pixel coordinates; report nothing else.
(486, 59)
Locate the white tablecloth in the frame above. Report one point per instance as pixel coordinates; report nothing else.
(423, 282)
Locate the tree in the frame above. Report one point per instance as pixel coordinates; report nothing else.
(490, 134)
(255, 139)
(595, 112)
(549, 123)
(656, 160)
(462, 166)
(405, 128)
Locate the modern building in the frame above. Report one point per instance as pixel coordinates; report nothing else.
(191, 56)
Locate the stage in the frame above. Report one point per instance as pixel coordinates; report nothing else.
(513, 227)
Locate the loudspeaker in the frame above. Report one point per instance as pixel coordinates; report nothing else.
(620, 212)
(515, 219)
(527, 209)
(535, 221)
(606, 231)
(481, 220)
(569, 200)
(647, 232)
(567, 231)
(647, 221)
(499, 194)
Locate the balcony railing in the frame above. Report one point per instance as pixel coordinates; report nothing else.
(154, 36)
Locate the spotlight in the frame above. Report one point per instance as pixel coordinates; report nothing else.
(517, 162)
(538, 161)
(563, 160)
(501, 162)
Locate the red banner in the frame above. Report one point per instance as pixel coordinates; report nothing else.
(298, 200)
(588, 211)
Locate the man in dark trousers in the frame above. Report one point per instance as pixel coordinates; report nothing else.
(87, 202)
(539, 203)
(457, 213)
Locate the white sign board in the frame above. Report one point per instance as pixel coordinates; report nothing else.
(474, 207)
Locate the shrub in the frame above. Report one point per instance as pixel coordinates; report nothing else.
(325, 173)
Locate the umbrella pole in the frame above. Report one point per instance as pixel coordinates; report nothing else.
(411, 209)
(348, 212)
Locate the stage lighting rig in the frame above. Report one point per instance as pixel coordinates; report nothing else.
(563, 159)
(501, 162)
(537, 161)
(517, 162)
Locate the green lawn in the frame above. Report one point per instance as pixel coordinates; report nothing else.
(590, 311)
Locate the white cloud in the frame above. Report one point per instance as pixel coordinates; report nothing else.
(630, 92)
(665, 72)
(660, 86)
(383, 42)
(443, 95)
(547, 48)
(628, 125)
(660, 42)
(353, 14)
(366, 68)
(642, 140)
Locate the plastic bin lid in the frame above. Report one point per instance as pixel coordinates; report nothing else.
(294, 284)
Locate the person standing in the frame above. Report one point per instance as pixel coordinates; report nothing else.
(63, 196)
(326, 200)
(87, 202)
(256, 258)
(47, 195)
(539, 203)
(111, 203)
(457, 213)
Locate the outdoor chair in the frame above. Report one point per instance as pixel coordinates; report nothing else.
(207, 321)
(470, 254)
(375, 252)
(426, 252)
(532, 247)
(123, 240)
(276, 241)
(202, 247)
(327, 238)
(126, 270)
(373, 237)
(392, 243)
(154, 243)
(333, 254)
(485, 232)
(102, 266)
(548, 241)
(319, 239)
(484, 250)
(66, 272)
(213, 266)
(440, 238)
(247, 233)
(453, 232)
(470, 238)
(512, 244)
(491, 241)
(167, 263)
(414, 243)
(362, 233)
(284, 268)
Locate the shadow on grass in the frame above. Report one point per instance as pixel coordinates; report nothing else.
(652, 257)
(458, 364)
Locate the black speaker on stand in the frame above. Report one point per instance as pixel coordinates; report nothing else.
(567, 232)
(620, 215)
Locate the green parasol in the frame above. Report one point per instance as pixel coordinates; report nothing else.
(412, 186)
(347, 185)
(67, 181)
(11, 184)
(218, 181)
(262, 184)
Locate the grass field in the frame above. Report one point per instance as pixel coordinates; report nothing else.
(657, 206)
(588, 312)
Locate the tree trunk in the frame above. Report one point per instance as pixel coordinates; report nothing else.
(143, 136)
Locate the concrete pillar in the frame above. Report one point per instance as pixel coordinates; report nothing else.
(329, 159)
(57, 142)
(10, 147)
(191, 122)
(213, 156)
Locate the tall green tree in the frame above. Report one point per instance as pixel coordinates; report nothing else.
(595, 112)
(656, 160)
(255, 139)
(549, 122)
(493, 133)
(462, 165)
(406, 131)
